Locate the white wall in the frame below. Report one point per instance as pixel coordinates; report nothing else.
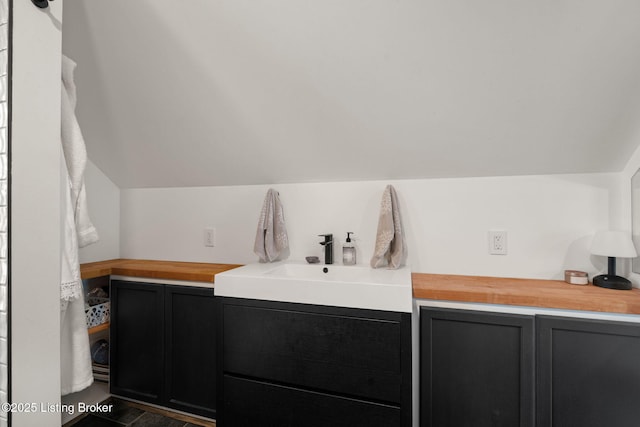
(35, 211)
(549, 219)
(103, 200)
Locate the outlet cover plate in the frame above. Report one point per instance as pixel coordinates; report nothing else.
(209, 237)
(497, 242)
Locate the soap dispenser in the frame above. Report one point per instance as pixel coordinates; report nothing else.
(349, 251)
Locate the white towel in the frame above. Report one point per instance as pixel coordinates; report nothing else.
(391, 248)
(272, 242)
(75, 154)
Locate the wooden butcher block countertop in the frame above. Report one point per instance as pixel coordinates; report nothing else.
(189, 271)
(444, 287)
(525, 292)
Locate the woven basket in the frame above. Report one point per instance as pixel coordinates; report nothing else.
(98, 314)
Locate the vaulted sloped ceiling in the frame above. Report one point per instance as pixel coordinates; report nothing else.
(226, 92)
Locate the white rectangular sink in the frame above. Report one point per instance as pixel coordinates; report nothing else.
(356, 286)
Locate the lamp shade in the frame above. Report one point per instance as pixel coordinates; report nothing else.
(613, 244)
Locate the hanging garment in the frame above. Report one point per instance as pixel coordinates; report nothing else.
(75, 154)
(78, 231)
(75, 359)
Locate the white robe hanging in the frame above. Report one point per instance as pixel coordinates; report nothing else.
(75, 154)
(75, 359)
(75, 365)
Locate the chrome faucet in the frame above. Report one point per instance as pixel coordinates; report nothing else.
(328, 247)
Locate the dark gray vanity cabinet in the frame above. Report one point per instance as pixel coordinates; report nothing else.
(588, 373)
(300, 365)
(163, 345)
(137, 341)
(476, 369)
(190, 350)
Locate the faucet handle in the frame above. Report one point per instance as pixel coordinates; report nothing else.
(328, 238)
(328, 247)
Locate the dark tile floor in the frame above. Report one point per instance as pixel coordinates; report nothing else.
(134, 415)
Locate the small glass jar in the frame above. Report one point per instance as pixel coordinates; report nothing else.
(576, 277)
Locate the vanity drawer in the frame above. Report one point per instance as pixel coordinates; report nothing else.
(350, 352)
(256, 403)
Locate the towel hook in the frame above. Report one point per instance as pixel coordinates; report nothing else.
(42, 4)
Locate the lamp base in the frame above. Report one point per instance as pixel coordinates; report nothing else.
(42, 4)
(611, 281)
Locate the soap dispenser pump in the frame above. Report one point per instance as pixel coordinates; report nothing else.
(349, 251)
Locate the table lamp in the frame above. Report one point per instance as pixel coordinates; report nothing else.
(612, 244)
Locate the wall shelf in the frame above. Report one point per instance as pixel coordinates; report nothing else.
(101, 327)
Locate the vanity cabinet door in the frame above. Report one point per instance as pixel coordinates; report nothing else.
(588, 373)
(137, 341)
(476, 369)
(190, 370)
(286, 364)
(163, 345)
(357, 356)
(257, 403)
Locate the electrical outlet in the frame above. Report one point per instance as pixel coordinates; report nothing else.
(497, 242)
(209, 237)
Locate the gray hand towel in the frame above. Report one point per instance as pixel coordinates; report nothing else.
(272, 241)
(391, 248)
